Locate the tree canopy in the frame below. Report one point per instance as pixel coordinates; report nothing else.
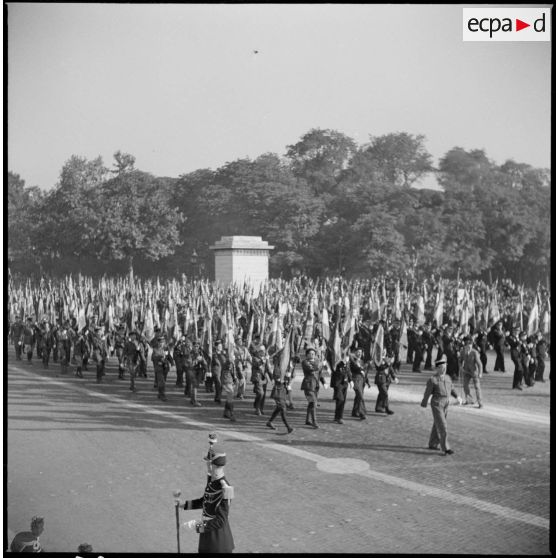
(328, 205)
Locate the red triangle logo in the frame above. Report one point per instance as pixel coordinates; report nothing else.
(519, 25)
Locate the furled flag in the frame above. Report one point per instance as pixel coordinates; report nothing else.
(439, 308)
(326, 334)
(397, 302)
(533, 323)
(464, 315)
(149, 326)
(420, 310)
(545, 322)
(285, 355)
(81, 323)
(403, 340)
(378, 347)
(494, 313)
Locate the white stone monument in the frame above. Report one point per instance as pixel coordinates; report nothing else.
(240, 259)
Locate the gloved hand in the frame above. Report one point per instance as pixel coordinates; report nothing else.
(190, 524)
(396, 380)
(459, 401)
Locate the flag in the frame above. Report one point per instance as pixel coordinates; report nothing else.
(397, 302)
(533, 322)
(326, 334)
(545, 322)
(81, 323)
(420, 310)
(439, 308)
(149, 326)
(378, 347)
(285, 355)
(494, 312)
(403, 340)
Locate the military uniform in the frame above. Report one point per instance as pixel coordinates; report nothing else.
(100, 352)
(515, 345)
(214, 529)
(132, 350)
(161, 363)
(16, 335)
(385, 374)
(440, 387)
(259, 378)
(340, 379)
(279, 395)
(498, 340)
(312, 370)
(471, 366)
(541, 348)
(360, 377)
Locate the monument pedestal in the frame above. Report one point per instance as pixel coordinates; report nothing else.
(240, 259)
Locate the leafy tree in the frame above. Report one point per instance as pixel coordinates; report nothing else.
(465, 169)
(320, 157)
(123, 162)
(22, 211)
(401, 159)
(133, 219)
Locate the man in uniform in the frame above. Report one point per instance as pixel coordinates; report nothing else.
(182, 359)
(228, 384)
(497, 339)
(340, 381)
(119, 343)
(132, 356)
(28, 338)
(214, 529)
(196, 373)
(359, 378)
(16, 332)
(259, 378)
(162, 360)
(242, 360)
(385, 374)
(428, 343)
(541, 349)
(312, 369)
(439, 386)
(217, 361)
(512, 340)
(279, 395)
(470, 365)
(481, 344)
(99, 349)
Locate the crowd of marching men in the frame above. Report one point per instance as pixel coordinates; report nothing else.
(223, 338)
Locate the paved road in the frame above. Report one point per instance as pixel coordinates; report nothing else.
(101, 463)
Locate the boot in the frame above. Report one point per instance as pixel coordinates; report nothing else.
(194, 398)
(313, 417)
(308, 413)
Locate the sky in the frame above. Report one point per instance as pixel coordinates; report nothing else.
(180, 87)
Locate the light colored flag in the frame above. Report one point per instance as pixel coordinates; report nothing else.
(378, 346)
(533, 322)
(420, 310)
(439, 308)
(149, 326)
(326, 334)
(285, 355)
(81, 322)
(397, 302)
(403, 340)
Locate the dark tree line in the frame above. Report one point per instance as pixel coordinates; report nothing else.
(328, 206)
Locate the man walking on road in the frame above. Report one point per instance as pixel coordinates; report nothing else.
(470, 365)
(439, 386)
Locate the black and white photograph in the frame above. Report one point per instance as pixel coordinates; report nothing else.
(278, 278)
